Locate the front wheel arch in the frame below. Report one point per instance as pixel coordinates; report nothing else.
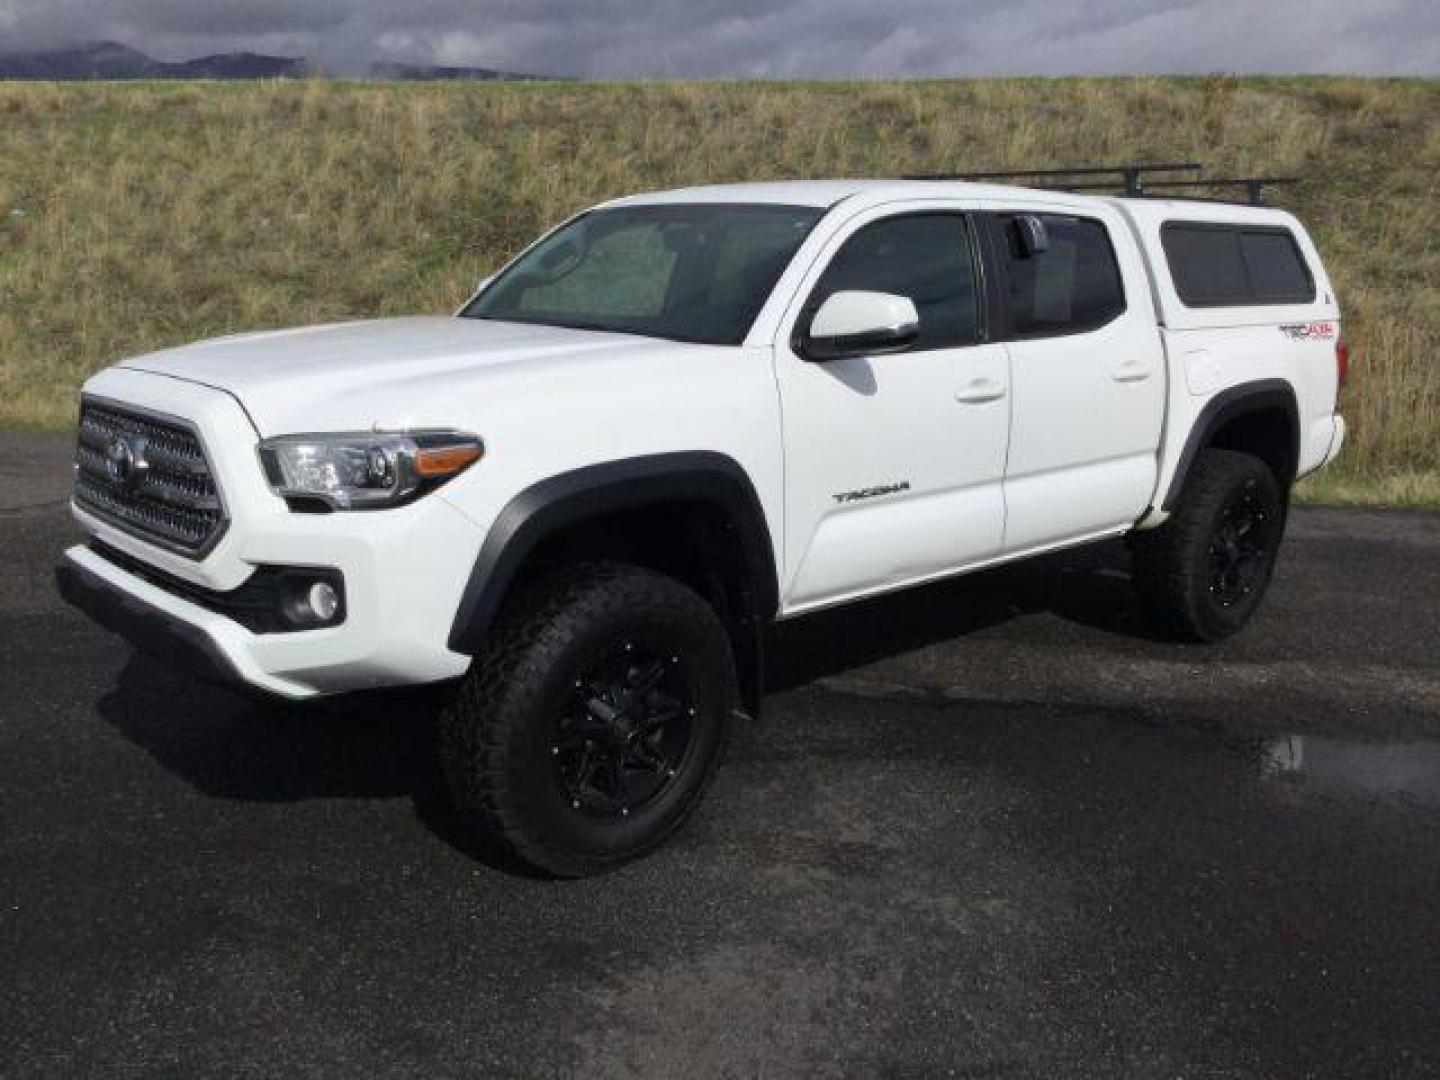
(737, 555)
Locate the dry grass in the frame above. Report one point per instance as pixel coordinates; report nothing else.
(139, 215)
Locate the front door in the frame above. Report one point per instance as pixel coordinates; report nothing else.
(894, 463)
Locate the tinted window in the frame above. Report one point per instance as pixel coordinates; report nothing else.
(1233, 266)
(923, 256)
(692, 272)
(1277, 272)
(1206, 265)
(1071, 287)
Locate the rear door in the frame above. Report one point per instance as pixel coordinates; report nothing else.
(1087, 375)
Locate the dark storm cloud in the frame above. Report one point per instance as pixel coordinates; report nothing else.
(768, 38)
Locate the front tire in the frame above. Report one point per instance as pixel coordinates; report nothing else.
(588, 732)
(1202, 574)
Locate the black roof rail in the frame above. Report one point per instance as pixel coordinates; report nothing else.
(1138, 180)
(1254, 185)
(1132, 176)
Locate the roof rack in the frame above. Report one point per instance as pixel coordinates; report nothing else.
(1254, 186)
(1137, 180)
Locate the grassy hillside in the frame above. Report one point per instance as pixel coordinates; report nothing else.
(140, 215)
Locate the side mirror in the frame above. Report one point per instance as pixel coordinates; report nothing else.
(860, 324)
(1033, 237)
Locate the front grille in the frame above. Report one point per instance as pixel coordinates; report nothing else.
(147, 474)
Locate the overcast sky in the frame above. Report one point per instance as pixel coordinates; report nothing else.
(768, 38)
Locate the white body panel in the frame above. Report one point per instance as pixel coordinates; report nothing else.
(951, 510)
(1066, 478)
(1003, 448)
(1213, 349)
(936, 422)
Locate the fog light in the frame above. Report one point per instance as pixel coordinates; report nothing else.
(323, 601)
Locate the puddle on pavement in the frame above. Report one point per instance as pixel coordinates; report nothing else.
(1407, 769)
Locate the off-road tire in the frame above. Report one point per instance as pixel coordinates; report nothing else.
(497, 729)
(1174, 565)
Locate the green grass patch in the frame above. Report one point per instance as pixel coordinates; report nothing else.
(139, 215)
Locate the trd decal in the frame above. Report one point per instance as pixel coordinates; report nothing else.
(871, 492)
(1314, 331)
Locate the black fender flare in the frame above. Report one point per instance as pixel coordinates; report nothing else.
(1230, 403)
(626, 484)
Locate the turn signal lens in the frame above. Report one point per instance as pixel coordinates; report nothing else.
(445, 460)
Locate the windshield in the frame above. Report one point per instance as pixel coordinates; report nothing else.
(687, 271)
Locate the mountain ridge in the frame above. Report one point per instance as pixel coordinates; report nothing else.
(113, 60)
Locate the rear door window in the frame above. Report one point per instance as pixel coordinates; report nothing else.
(1216, 265)
(1071, 287)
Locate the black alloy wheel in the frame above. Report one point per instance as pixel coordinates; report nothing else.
(623, 736)
(1202, 574)
(592, 725)
(1240, 549)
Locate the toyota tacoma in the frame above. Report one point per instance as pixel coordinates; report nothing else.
(577, 504)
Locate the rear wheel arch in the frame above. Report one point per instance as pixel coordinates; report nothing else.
(1260, 418)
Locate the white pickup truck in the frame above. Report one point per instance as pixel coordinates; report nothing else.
(680, 416)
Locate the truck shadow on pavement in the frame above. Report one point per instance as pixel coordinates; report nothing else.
(231, 746)
(379, 746)
(1088, 587)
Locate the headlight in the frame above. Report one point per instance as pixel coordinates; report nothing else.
(365, 471)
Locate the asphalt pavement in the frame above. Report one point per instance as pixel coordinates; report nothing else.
(991, 828)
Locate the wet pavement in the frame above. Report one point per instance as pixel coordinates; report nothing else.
(986, 829)
(1402, 769)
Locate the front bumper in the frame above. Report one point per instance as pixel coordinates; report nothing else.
(386, 638)
(145, 621)
(403, 570)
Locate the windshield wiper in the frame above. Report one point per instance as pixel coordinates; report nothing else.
(604, 328)
(569, 324)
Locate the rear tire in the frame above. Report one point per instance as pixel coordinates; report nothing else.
(587, 733)
(1202, 574)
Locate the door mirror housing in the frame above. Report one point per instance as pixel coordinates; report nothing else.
(854, 323)
(1033, 236)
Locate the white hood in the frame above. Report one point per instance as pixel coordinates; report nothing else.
(377, 372)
